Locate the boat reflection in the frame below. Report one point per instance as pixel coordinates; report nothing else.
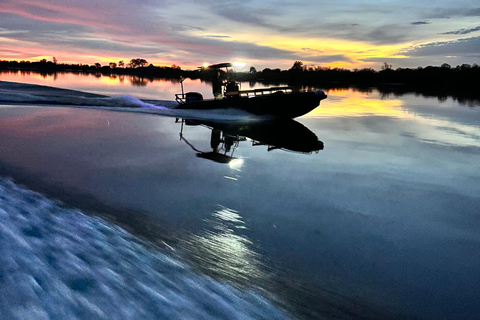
(285, 134)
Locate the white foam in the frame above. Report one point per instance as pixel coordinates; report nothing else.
(57, 263)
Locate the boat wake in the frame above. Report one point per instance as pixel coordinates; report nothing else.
(58, 263)
(26, 94)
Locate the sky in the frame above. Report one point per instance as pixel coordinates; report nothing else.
(264, 34)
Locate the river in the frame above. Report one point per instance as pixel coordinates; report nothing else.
(130, 215)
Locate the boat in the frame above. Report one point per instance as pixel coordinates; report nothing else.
(281, 102)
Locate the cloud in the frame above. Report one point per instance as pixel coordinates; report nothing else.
(473, 13)
(191, 30)
(242, 11)
(119, 16)
(320, 58)
(388, 34)
(184, 27)
(462, 47)
(447, 13)
(419, 23)
(4, 32)
(329, 58)
(51, 36)
(310, 50)
(379, 34)
(250, 50)
(463, 31)
(217, 36)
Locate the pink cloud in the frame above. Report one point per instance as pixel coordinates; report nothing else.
(54, 13)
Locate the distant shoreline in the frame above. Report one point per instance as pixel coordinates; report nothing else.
(445, 81)
(444, 75)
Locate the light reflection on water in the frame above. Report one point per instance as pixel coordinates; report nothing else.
(348, 103)
(222, 249)
(448, 128)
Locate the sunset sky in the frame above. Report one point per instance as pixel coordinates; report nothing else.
(269, 33)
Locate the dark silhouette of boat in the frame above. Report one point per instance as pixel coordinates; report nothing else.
(285, 134)
(281, 102)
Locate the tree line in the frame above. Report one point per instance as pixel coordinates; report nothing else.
(463, 76)
(136, 66)
(445, 77)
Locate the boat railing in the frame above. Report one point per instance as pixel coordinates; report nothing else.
(259, 92)
(180, 98)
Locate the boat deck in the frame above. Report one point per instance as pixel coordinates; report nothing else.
(257, 92)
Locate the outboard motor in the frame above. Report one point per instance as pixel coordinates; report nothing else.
(193, 97)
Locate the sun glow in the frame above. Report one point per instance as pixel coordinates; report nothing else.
(337, 53)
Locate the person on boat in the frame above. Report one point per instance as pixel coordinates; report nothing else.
(217, 85)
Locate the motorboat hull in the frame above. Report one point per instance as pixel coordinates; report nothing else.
(282, 105)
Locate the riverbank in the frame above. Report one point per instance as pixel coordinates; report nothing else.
(445, 78)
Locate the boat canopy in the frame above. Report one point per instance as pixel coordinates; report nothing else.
(220, 65)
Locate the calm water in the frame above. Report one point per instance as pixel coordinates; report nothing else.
(382, 222)
(114, 85)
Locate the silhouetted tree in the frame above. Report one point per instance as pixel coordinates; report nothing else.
(135, 63)
(386, 66)
(97, 65)
(55, 60)
(253, 70)
(121, 64)
(112, 65)
(297, 65)
(465, 66)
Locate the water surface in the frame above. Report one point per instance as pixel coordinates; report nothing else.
(381, 222)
